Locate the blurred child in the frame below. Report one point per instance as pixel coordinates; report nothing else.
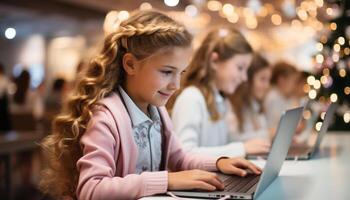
(280, 97)
(199, 114)
(249, 120)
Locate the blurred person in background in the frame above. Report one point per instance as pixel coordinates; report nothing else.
(248, 120)
(280, 97)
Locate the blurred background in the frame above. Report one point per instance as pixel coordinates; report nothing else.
(44, 44)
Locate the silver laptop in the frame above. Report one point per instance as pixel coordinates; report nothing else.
(305, 151)
(251, 186)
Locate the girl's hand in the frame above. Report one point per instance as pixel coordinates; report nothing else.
(257, 146)
(237, 166)
(194, 179)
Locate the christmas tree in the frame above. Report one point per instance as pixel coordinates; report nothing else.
(331, 82)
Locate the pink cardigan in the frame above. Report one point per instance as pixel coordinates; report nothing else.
(107, 167)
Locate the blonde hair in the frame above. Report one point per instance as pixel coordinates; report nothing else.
(142, 35)
(226, 42)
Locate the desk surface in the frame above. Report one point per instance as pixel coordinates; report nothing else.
(325, 176)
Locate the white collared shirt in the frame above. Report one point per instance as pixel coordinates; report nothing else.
(147, 135)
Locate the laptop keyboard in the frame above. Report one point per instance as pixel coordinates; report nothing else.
(239, 184)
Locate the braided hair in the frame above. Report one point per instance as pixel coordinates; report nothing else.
(142, 35)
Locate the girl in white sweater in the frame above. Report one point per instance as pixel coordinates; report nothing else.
(199, 114)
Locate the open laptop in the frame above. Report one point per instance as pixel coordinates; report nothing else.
(251, 186)
(305, 151)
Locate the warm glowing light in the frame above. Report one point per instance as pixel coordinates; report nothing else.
(302, 14)
(319, 46)
(346, 117)
(145, 6)
(214, 5)
(323, 114)
(310, 80)
(318, 126)
(342, 73)
(334, 97)
(10, 33)
(317, 84)
(341, 40)
(329, 11)
(191, 10)
(233, 18)
(319, 58)
(228, 9)
(251, 22)
(347, 90)
(171, 3)
(312, 94)
(336, 47)
(276, 19)
(333, 26)
(319, 3)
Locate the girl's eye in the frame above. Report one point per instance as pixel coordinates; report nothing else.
(167, 73)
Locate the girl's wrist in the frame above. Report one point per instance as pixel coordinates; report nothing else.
(217, 161)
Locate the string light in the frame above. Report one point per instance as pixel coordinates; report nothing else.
(312, 94)
(310, 80)
(342, 73)
(341, 40)
(214, 5)
(333, 26)
(323, 114)
(319, 46)
(171, 3)
(228, 9)
(318, 126)
(319, 3)
(334, 97)
(276, 19)
(319, 58)
(329, 11)
(10, 33)
(191, 10)
(145, 6)
(336, 47)
(346, 117)
(317, 84)
(347, 90)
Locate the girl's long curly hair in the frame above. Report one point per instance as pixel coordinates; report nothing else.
(226, 42)
(142, 35)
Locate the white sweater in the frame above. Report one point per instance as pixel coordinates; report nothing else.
(195, 129)
(254, 126)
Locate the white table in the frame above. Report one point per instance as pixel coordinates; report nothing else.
(325, 176)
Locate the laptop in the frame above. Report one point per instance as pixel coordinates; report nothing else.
(251, 186)
(305, 151)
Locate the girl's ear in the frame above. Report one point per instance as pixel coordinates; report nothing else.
(214, 57)
(129, 63)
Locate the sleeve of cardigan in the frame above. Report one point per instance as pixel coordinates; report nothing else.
(187, 116)
(97, 166)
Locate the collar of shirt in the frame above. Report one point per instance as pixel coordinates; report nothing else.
(136, 115)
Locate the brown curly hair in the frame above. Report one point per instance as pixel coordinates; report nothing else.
(142, 34)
